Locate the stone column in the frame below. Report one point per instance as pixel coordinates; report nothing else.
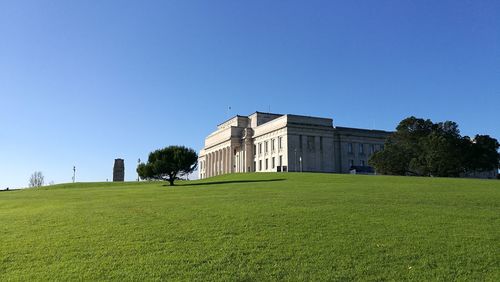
(235, 161)
(240, 156)
(214, 159)
(242, 160)
(227, 159)
(215, 163)
(236, 158)
(211, 164)
(247, 149)
(230, 159)
(222, 153)
(249, 155)
(223, 161)
(207, 166)
(218, 162)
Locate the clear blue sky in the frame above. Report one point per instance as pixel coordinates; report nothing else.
(85, 82)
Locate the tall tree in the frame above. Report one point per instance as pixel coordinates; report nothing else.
(393, 160)
(483, 153)
(168, 164)
(421, 147)
(402, 148)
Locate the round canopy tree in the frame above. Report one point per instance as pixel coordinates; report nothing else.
(169, 164)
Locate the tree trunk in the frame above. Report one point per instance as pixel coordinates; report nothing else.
(171, 181)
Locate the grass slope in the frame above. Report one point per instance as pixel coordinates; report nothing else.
(255, 227)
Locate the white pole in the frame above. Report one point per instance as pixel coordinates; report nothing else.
(300, 160)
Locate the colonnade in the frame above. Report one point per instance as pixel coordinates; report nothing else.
(219, 162)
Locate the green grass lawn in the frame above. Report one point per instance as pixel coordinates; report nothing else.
(255, 227)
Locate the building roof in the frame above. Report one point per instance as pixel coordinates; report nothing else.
(256, 112)
(341, 128)
(362, 129)
(236, 116)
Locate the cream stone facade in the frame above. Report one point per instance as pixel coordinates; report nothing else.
(267, 142)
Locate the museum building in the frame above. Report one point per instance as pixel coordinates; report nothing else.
(267, 142)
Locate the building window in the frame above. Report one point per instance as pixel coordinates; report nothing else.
(266, 147)
(373, 148)
(349, 148)
(272, 145)
(351, 163)
(260, 148)
(260, 165)
(254, 166)
(361, 148)
(273, 163)
(363, 163)
(310, 143)
(300, 142)
(280, 143)
(381, 147)
(281, 160)
(267, 166)
(254, 150)
(321, 143)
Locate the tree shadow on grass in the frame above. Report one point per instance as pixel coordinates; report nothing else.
(186, 183)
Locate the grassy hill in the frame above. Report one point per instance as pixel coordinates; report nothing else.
(255, 227)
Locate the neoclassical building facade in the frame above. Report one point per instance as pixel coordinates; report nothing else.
(267, 142)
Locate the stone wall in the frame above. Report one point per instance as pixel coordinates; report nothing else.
(354, 146)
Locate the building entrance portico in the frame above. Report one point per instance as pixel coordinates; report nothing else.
(216, 161)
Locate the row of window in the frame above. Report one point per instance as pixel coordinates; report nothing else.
(266, 163)
(361, 148)
(311, 143)
(266, 146)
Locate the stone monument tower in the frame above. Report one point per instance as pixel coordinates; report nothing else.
(119, 171)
